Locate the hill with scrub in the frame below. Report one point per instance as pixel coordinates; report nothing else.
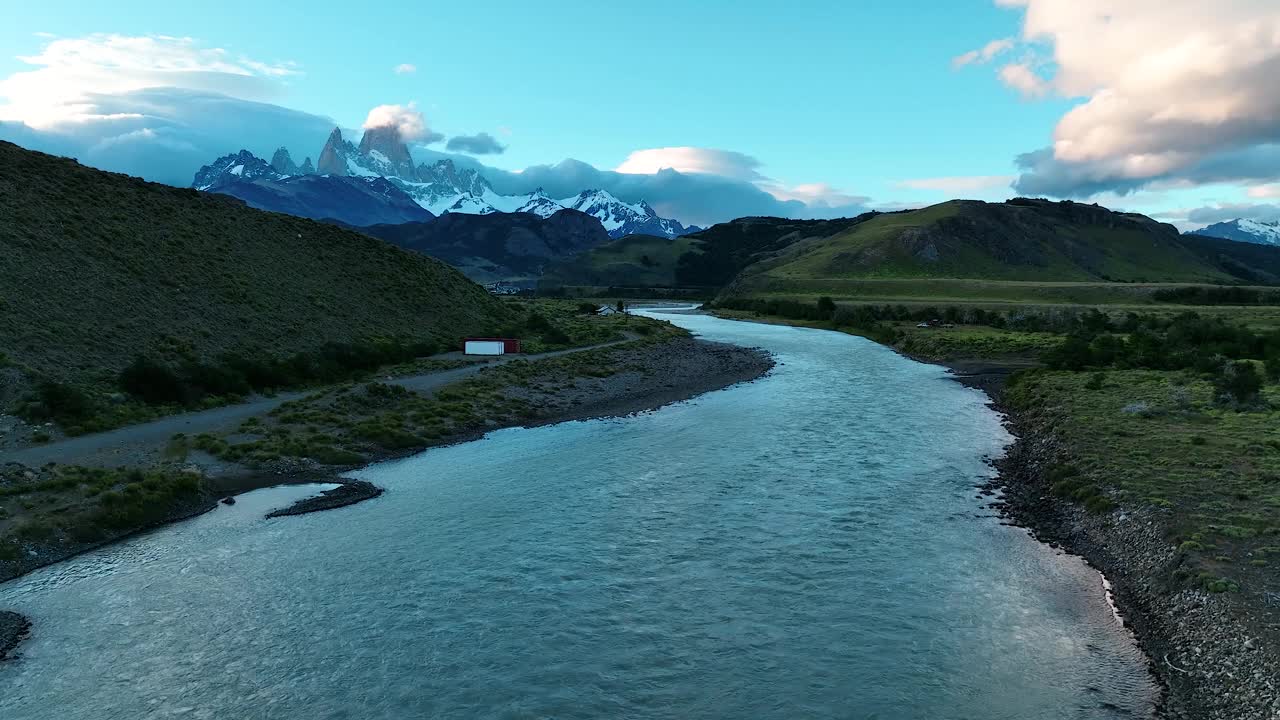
(101, 269)
(1020, 241)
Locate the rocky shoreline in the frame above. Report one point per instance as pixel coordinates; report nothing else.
(1203, 649)
(348, 493)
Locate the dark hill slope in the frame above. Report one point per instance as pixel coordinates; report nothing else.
(353, 201)
(1029, 240)
(708, 258)
(633, 261)
(99, 267)
(499, 246)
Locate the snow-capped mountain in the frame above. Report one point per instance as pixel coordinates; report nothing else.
(1250, 231)
(620, 218)
(242, 166)
(441, 187)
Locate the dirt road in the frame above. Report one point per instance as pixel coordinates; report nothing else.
(135, 444)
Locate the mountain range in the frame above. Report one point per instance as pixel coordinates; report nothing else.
(1250, 231)
(508, 247)
(437, 188)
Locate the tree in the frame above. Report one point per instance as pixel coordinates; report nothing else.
(826, 307)
(622, 307)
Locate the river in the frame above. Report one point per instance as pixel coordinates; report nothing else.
(810, 545)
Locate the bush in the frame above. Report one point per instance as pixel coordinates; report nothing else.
(64, 403)
(152, 382)
(826, 308)
(1238, 381)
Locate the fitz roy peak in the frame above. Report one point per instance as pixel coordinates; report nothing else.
(439, 188)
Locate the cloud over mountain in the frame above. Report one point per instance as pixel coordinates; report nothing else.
(161, 107)
(478, 144)
(407, 119)
(1173, 90)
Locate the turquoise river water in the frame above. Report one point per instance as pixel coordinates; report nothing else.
(806, 546)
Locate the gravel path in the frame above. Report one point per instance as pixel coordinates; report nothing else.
(135, 444)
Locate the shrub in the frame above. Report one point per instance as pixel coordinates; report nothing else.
(152, 382)
(826, 308)
(1238, 381)
(64, 403)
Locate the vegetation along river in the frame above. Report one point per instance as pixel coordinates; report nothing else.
(808, 545)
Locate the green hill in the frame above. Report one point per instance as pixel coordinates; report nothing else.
(634, 260)
(1025, 240)
(710, 258)
(100, 268)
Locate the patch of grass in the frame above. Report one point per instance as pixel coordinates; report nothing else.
(1189, 452)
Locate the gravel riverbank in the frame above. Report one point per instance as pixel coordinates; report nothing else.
(650, 376)
(1214, 655)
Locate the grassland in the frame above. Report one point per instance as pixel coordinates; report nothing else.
(1161, 439)
(57, 505)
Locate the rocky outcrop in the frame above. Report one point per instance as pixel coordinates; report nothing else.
(284, 164)
(349, 493)
(333, 157)
(13, 628)
(385, 152)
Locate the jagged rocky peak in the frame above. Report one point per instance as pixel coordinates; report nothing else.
(333, 158)
(384, 145)
(464, 180)
(243, 165)
(307, 168)
(283, 163)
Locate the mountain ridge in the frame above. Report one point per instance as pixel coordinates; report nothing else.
(1019, 240)
(1243, 230)
(441, 187)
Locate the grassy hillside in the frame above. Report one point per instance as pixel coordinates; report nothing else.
(634, 260)
(1022, 240)
(100, 268)
(707, 259)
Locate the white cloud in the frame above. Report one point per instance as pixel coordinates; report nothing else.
(410, 121)
(68, 71)
(1171, 88)
(1021, 77)
(405, 69)
(1265, 191)
(958, 184)
(724, 163)
(814, 195)
(984, 54)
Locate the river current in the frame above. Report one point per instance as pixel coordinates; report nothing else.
(809, 545)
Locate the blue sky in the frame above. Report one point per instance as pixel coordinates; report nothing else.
(854, 103)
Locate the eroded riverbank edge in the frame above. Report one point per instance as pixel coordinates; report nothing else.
(1203, 649)
(676, 370)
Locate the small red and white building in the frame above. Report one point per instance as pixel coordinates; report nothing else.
(490, 346)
